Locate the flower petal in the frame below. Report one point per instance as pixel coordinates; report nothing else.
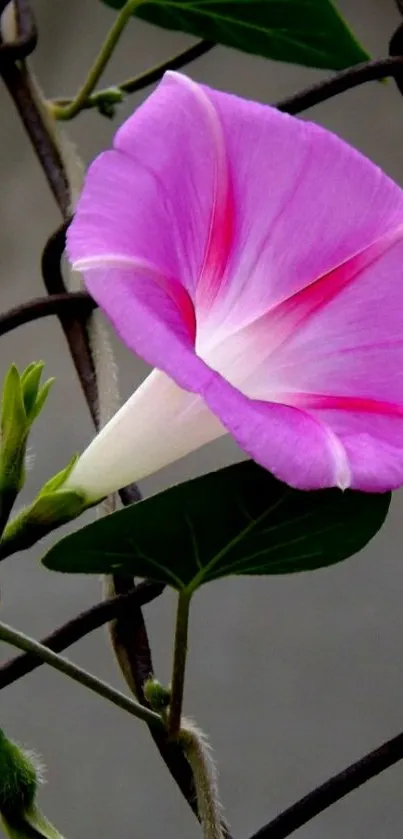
(343, 363)
(178, 136)
(254, 258)
(304, 201)
(159, 424)
(152, 226)
(296, 447)
(162, 194)
(310, 338)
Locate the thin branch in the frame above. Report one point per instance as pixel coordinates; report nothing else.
(15, 78)
(369, 71)
(74, 326)
(18, 639)
(333, 790)
(72, 631)
(396, 49)
(133, 654)
(76, 303)
(103, 97)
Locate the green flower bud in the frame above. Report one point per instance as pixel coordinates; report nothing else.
(158, 696)
(22, 400)
(19, 778)
(53, 507)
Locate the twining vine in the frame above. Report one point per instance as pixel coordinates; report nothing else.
(74, 310)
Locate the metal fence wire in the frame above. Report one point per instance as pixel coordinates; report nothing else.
(74, 311)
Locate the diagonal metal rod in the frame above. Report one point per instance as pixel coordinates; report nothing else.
(369, 71)
(78, 302)
(80, 626)
(332, 790)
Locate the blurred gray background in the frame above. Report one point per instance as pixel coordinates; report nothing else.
(293, 678)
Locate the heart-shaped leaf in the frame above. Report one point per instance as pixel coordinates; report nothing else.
(309, 32)
(238, 520)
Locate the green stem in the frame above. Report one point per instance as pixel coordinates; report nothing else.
(7, 499)
(111, 95)
(29, 645)
(179, 663)
(71, 110)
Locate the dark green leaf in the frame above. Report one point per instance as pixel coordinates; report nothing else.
(239, 520)
(309, 32)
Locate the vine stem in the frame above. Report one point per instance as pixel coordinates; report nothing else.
(105, 53)
(369, 71)
(69, 302)
(198, 753)
(179, 663)
(23, 642)
(80, 626)
(99, 97)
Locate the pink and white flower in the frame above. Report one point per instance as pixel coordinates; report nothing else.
(256, 261)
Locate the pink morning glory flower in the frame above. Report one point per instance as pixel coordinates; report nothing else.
(256, 261)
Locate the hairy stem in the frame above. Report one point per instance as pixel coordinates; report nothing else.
(198, 754)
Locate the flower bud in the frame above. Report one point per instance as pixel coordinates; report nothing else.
(53, 507)
(20, 774)
(22, 401)
(158, 696)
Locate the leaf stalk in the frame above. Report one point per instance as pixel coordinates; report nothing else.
(69, 111)
(179, 663)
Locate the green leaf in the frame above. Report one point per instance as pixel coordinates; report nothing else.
(12, 404)
(41, 398)
(238, 520)
(308, 32)
(14, 433)
(56, 482)
(21, 401)
(30, 380)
